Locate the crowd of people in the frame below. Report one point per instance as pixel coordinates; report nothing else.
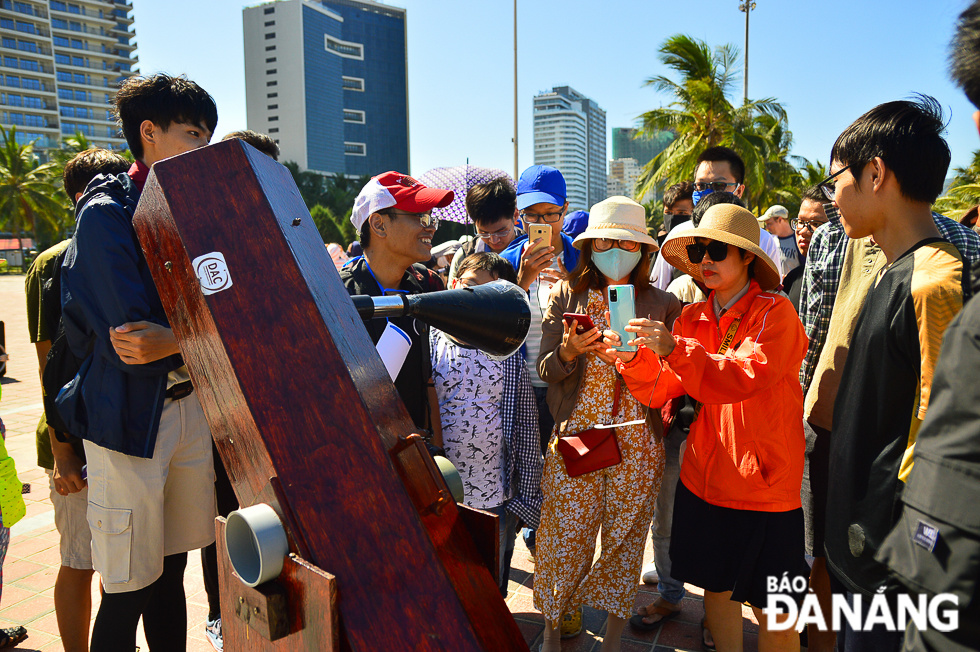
(790, 397)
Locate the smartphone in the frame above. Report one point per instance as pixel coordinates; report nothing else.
(542, 231)
(584, 321)
(622, 308)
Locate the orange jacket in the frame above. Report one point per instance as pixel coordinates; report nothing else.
(745, 449)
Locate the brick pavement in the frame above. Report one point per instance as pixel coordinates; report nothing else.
(33, 559)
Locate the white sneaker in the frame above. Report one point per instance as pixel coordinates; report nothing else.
(650, 575)
(212, 630)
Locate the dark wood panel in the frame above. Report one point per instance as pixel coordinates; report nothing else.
(294, 390)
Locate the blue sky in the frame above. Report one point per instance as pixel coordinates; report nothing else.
(827, 62)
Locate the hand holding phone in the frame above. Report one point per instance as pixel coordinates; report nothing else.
(539, 232)
(622, 308)
(584, 321)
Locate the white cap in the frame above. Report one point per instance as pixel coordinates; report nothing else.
(373, 197)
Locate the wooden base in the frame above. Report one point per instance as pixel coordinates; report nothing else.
(295, 613)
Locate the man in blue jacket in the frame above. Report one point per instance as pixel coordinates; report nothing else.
(148, 447)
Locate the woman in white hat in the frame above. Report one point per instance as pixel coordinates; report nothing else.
(737, 514)
(582, 391)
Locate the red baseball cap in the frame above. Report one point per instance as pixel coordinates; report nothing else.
(394, 189)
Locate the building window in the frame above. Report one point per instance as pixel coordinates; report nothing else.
(270, 48)
(269, 10)
(270, 60)
(353, 115)
(272, 107)
(355, 149)
(271, 95)
(353, 83)
(271, 71)
(272, 83)
(269, 23)
(273, 118)
(270, 35)
(274, 130)
(344, 48)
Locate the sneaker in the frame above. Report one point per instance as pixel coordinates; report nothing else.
(650, 575)
(530, 554)
(571, 624)
(212, 630)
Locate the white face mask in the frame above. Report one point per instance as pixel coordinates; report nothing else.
(616, 264)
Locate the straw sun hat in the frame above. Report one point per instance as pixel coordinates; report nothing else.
(726, 223)
(616, 218)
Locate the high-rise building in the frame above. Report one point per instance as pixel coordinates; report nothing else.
(570, 134)
(61, 65)
(623, 175)
(625, 144)
(328, 81)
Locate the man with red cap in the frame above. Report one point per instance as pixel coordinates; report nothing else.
(393, 218)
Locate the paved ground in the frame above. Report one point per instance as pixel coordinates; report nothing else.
(33, 559)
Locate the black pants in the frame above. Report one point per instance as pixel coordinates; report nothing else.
(546, 422)
(162, 605)
(227, 503)
(878, 639)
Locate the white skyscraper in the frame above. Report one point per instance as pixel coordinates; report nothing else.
(570, 134)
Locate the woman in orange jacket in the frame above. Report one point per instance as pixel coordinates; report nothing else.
(737, 515)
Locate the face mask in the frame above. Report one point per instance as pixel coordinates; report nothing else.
(700, 194)
(616, 263)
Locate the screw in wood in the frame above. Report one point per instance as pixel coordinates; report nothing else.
(297, 220)
(168, 266)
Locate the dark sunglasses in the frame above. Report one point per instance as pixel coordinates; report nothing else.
(717, 250)
(716, 186)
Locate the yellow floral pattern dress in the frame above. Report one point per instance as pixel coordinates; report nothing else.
(618, 499)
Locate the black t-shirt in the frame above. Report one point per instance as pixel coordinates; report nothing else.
(792, 285)
(412, 380)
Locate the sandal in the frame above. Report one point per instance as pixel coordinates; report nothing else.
(11, 636)
(709, 647)
(639, 621)
(571, 623)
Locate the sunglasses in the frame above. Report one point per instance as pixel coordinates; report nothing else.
(716, 186)
(717, 250)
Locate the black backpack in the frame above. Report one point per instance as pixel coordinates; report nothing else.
(62, 365)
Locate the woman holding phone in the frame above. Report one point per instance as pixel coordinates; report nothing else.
(737, 514)
(582, 391)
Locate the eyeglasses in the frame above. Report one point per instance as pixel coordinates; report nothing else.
(605, 244)
(811, 225)
(715, 186)
(829, 186)
(537, 218)
(427, 220)
(717, 250)
(496, 235)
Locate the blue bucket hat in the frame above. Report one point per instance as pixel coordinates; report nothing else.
(540, 183)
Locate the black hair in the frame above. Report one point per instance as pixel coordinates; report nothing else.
(713, 199)
(492, 263)
(364, 236)
(727, 154)
(87, 165)
(163, 100)
(964, 59)
(487, 203)
(678, 192)
(261, 142)
(814, 194)
(907, 135)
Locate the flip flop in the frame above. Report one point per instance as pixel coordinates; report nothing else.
(637, 622)
(704, 643)
(11, 636)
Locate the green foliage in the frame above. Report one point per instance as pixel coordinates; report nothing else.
(702, 115)
(326, 224)
(28, 194)
(964, 191)
(335, 192)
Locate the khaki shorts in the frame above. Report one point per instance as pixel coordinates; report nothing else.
(141, 510)
(70, 519)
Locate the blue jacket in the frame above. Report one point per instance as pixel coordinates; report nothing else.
(569, 254)
(105, 282)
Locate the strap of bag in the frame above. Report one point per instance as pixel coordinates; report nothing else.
(725, 343)
(615, 411)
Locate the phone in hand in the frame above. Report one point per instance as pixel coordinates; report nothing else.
(584, 321)
(622, 308)
(536, 231)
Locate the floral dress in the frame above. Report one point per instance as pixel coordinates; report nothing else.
(618, 499)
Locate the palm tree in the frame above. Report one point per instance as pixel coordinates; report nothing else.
(701, 114)
(964, 191)
(27, 193)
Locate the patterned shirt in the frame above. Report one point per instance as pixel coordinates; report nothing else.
(821, 277)
(489, 427)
